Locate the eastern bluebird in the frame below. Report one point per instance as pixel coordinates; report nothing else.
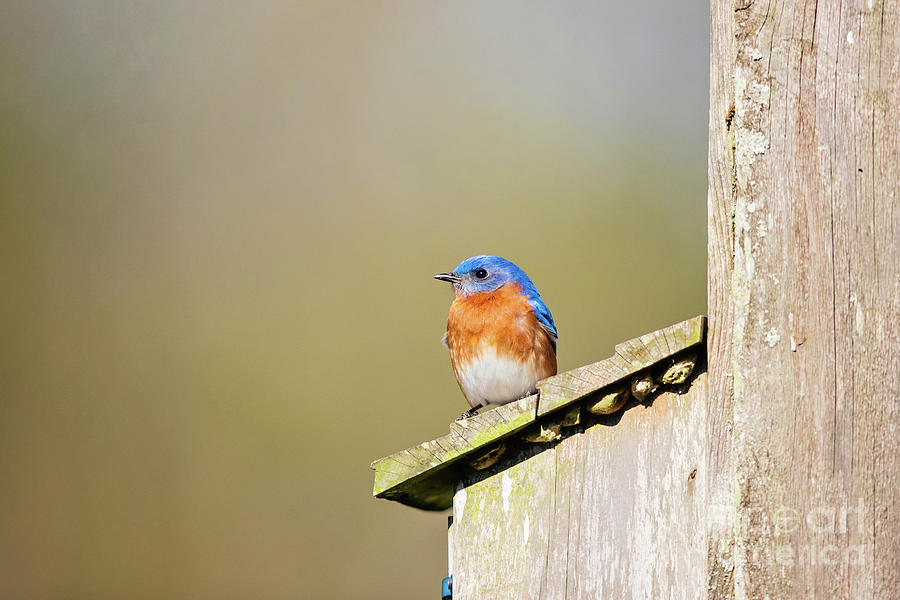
(500, 334)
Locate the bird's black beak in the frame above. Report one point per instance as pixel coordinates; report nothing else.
(448, 277)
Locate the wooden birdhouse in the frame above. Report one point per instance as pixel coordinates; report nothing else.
(585, 489)
(783, 481)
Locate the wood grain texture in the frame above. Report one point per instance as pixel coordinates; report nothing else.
(804, 292)
(608, 512)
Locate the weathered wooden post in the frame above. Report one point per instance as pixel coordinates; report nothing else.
(579, 491)
(804, 299)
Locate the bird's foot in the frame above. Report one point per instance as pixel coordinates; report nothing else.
(469, 413)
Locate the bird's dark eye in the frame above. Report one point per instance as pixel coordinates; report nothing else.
(480, 273)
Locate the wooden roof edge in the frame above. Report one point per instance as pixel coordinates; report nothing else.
(631, 357)
(404, 476)
(465, 438)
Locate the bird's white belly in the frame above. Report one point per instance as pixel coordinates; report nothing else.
(491, 379)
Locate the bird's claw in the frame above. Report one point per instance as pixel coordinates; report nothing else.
(469, 413)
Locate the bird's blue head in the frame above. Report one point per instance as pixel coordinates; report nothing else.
(486, 273)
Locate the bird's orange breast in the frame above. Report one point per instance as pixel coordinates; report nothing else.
(504, 321)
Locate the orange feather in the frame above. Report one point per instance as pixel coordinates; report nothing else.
(504, 320)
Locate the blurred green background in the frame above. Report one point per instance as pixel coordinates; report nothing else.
(219, 226)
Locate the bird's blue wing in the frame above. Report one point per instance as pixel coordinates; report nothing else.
(544, 318)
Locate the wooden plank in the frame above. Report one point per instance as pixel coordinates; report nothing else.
(501, 528)
(609, 512)
(804, 288)
(635, 353)
(564, 517)
(641, 529)
(720, 263)
(401, 475)
(656, 346)
(631, 357)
